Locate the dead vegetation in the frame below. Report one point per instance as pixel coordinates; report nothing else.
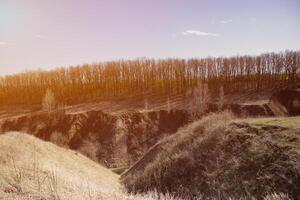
(220, 158)
(31, 169)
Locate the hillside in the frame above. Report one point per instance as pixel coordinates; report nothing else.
(33, 169)
(149, 100)
(134, 103)
(122, 134)
(223, 157)
(156, 101)
(117, 134)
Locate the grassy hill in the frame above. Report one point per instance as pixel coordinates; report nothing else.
(219, 156)
(31, 169)
(222, 157)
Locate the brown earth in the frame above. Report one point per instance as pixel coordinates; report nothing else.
(285, 102)
(113, 140)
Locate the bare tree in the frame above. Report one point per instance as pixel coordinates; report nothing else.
(77, 84)
(221, 98)
(200, 98)
(168, 105)
(146, 105)
(49, 103)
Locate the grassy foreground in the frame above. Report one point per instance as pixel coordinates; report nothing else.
(31, 169)
(220, 157)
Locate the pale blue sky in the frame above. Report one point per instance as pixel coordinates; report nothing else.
(44, 34)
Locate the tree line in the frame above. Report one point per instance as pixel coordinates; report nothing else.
(76, 84)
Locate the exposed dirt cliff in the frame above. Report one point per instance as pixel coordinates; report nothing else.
(285, 102)
(110, 139)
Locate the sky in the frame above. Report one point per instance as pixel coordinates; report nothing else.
(46, 34)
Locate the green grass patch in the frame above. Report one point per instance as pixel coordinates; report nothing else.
(119, 170)
(286, 122)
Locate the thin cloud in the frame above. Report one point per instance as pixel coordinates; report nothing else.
(198, 33)
(3, 43)
(253, 20)
(40, 36)
(226, 21)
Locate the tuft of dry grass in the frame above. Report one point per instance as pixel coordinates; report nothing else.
(277, 196)
(218, 158)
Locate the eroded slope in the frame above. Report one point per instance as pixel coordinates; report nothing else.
(219, 157)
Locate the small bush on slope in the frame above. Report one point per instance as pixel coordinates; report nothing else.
(220, 159)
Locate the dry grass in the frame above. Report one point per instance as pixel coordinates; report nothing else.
(44, 170)
(31, 169)
(219, 158)
(277, 196)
